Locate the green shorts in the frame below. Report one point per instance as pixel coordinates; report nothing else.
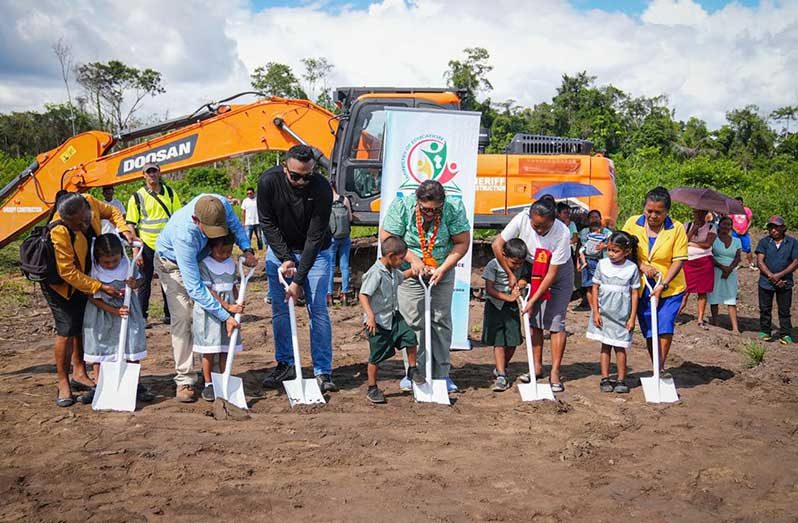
(501, 327)
(384, 343)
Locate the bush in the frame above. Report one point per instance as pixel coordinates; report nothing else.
(754, 354)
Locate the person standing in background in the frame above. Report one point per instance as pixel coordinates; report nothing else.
(108, 196)
(741, 224)
(341, 228)
(148, 210)
(249, 209)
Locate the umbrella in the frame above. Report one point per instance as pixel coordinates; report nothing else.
(568, 190)
(707, 200)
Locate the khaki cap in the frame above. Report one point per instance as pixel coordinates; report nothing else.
(209, 211)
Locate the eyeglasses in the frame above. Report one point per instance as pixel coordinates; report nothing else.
(298, 177)
(430, 211)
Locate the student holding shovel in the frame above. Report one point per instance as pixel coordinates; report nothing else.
(438, 235)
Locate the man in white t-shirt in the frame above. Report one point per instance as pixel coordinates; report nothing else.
(108, 194)
(249, 210)
(539, 229)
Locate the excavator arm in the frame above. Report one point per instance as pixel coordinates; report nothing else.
(217, 133)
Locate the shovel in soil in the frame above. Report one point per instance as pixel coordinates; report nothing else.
(225, 386)
(532, 391)
(118, 380)
(655, 388)
(299, 391)
(433, 391)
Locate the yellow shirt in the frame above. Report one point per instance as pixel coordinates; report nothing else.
(670, 246)
(70, 258)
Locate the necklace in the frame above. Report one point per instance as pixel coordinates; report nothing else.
(426, 248)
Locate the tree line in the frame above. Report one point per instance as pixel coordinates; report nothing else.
(752, 154)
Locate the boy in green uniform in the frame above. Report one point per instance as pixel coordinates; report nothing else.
(501, 326)
(386, 327)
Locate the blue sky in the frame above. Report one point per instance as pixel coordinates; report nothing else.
(630, 7)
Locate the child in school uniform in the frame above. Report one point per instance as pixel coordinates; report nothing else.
(102, 319)
(614, 305)
(501, 324)
(387, 329)
(219, 273)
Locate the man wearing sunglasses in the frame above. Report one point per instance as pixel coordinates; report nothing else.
(294, 205)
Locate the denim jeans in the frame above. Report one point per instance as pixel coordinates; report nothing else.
(256, 229)
(340, 249)
(315, 288)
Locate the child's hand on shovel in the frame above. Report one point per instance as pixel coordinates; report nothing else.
(232, 325)
(235, 308)
(112, 291)
(122, 311)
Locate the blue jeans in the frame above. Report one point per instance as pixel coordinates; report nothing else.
(315, 288)
(256, 229)
(340, 247)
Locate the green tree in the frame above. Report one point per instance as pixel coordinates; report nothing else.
(275, 79)
(317, 70)
(470, 75)
(29, 133)
(746, 137)
(117, 90)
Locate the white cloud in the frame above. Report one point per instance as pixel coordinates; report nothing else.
(706, 63)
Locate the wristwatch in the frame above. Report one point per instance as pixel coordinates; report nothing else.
(665, 286)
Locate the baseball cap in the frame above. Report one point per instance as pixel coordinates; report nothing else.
(151, 165)
(776, 220)
(209, 211)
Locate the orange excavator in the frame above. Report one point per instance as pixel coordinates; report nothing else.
(349, 146)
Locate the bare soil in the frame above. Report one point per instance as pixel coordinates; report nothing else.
(727, 451)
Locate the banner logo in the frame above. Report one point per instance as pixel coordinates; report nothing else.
(426, 158)
(167, 153)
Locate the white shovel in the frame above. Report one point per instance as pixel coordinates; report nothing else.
(656, 389)
(227, 387)
(532, 391)
(433, 391)
(299, 391)
(118, 381)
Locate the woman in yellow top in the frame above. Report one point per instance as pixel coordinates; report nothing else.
(80, 216)
(661, 250)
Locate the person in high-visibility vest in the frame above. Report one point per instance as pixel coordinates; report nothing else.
(148, 210)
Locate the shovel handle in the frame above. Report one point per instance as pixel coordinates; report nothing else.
(648, 284)
(281, 277)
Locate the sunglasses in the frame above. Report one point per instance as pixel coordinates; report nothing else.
(298, 177)
(431, 211)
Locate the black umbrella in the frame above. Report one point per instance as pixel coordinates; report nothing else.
(706, 200)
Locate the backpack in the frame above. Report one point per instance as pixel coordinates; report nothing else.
(339, 220)
(37, 255)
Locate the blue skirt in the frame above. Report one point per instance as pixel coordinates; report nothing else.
(667, 310)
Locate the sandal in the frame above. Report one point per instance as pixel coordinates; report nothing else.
(557, 387)
(703, 325)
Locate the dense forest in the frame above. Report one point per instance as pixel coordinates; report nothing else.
(753, 154)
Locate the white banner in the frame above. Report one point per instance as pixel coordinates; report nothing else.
(421, 145)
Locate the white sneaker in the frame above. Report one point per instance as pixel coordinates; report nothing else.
(405, 385)
(450, 386)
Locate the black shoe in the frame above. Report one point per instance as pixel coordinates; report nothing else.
(87, 397)
(326, 383)
(417, 377)
(621, 387)
(167, 320)
(207, 393)
(144, 394)
(279, 374)
(375, 395)
(606, 385)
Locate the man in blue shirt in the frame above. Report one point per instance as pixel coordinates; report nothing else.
(178, 250)
(777, 258)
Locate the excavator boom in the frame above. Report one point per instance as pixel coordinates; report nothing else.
(85, 161)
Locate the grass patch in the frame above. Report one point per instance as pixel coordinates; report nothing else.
(754, 354)
(9, 259)
(362, 231)
(15, 293)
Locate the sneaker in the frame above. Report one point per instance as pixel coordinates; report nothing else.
(326, 383)
(417, 377)
(524, 378)
(406, 383)
(279, 374)
(185, 394)
(375, 395)
(451, 386)
(144, 394)
(207, 392)
(621, 387)
(606, 385)
(495, 372)
(764, 336)
(786, 340)
(501, 384)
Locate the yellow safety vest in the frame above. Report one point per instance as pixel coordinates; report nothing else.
(149, 213)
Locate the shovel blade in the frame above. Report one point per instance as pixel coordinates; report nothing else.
(434, 392)
(117, 386)
(303, 392)
(662, 392)
(535, 391)
(230, 389)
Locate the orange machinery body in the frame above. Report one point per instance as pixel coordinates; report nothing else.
(505, 182)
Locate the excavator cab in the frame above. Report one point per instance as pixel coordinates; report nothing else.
(357, 157)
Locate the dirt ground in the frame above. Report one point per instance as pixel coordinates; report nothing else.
(727, 451)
